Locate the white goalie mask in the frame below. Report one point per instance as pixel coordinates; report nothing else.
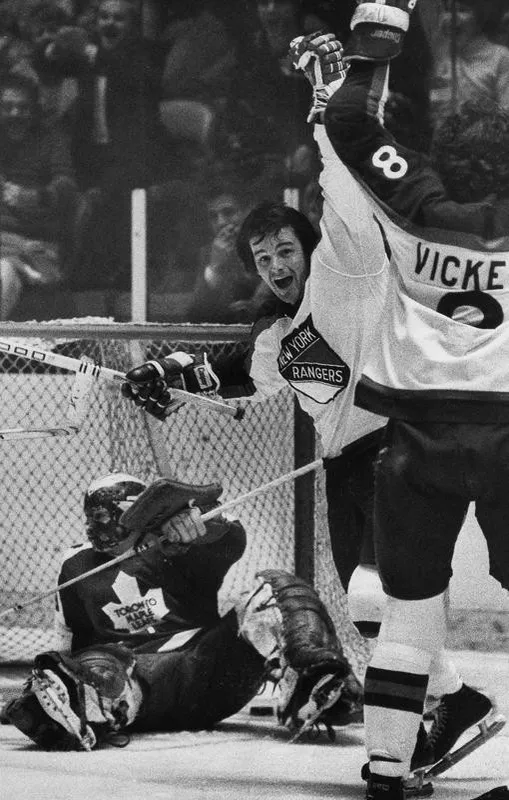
(105, 501)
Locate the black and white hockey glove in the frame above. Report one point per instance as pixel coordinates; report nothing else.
(149, 385)
(319, 56)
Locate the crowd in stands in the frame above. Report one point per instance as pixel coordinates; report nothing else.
(194, 101)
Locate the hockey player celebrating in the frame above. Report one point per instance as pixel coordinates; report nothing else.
(142, 645)
(438, 370)
(316, 340)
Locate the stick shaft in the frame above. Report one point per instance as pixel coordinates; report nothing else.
(296, 473)
(11, 434)
(216, 512)
(105, 373)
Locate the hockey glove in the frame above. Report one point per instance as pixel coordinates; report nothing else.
(320, 57)
(378, 29)
(149, 385)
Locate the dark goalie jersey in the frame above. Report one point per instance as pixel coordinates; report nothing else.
(443, 345)
(152, 601)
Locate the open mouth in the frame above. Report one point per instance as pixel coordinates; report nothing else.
(283, 283)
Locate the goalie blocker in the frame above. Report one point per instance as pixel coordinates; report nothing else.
(278, 629)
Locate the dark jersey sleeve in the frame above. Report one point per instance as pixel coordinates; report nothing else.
(401, 178)
(235, 373)
(206, 562)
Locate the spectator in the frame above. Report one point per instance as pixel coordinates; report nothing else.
(40, 24)
(479, 69)
(201, 53)
(14, 52)
(262, 129)
(37, 192)
(119, 143)
(224, 290)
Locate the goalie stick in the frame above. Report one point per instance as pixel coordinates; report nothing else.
(133, 551)
(79, 403)
(111, 375)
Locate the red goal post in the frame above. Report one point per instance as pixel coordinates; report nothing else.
(43, 480)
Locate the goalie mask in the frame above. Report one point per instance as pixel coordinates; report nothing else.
(105, 501)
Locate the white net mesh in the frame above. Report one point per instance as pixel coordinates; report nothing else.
(44, 479)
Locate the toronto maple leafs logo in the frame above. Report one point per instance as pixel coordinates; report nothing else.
(135, 612)
(310, 365)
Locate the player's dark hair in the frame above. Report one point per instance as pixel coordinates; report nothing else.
(470, 151)
(269, 218)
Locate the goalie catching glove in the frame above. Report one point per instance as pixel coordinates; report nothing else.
(118, 505)
(172, 510)
(149, 385)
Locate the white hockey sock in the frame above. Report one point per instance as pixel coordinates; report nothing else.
(394, 692)
(412, 634)
(444, 678)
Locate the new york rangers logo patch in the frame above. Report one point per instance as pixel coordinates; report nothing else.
(310, 365)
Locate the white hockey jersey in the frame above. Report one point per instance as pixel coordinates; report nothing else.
(443, 346)
(320, 353)
(443, 349)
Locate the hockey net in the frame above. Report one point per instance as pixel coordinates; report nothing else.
(44, 480)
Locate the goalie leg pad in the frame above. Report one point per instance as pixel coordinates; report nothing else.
(309, 636)
(261, 622)
(285, 620)
(74, 702)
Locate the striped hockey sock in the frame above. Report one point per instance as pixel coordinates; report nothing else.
(394, 693)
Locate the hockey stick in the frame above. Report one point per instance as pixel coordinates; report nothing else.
(112, 375)
(10, 434)
(133, 551)
(79, 403)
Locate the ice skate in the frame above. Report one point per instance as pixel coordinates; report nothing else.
(348, 708)
(54, 699)
(381, 787)
(413, 786)
(453, 716)
(306, 701)
(498, 793)
(422, 756)
(324, 694)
